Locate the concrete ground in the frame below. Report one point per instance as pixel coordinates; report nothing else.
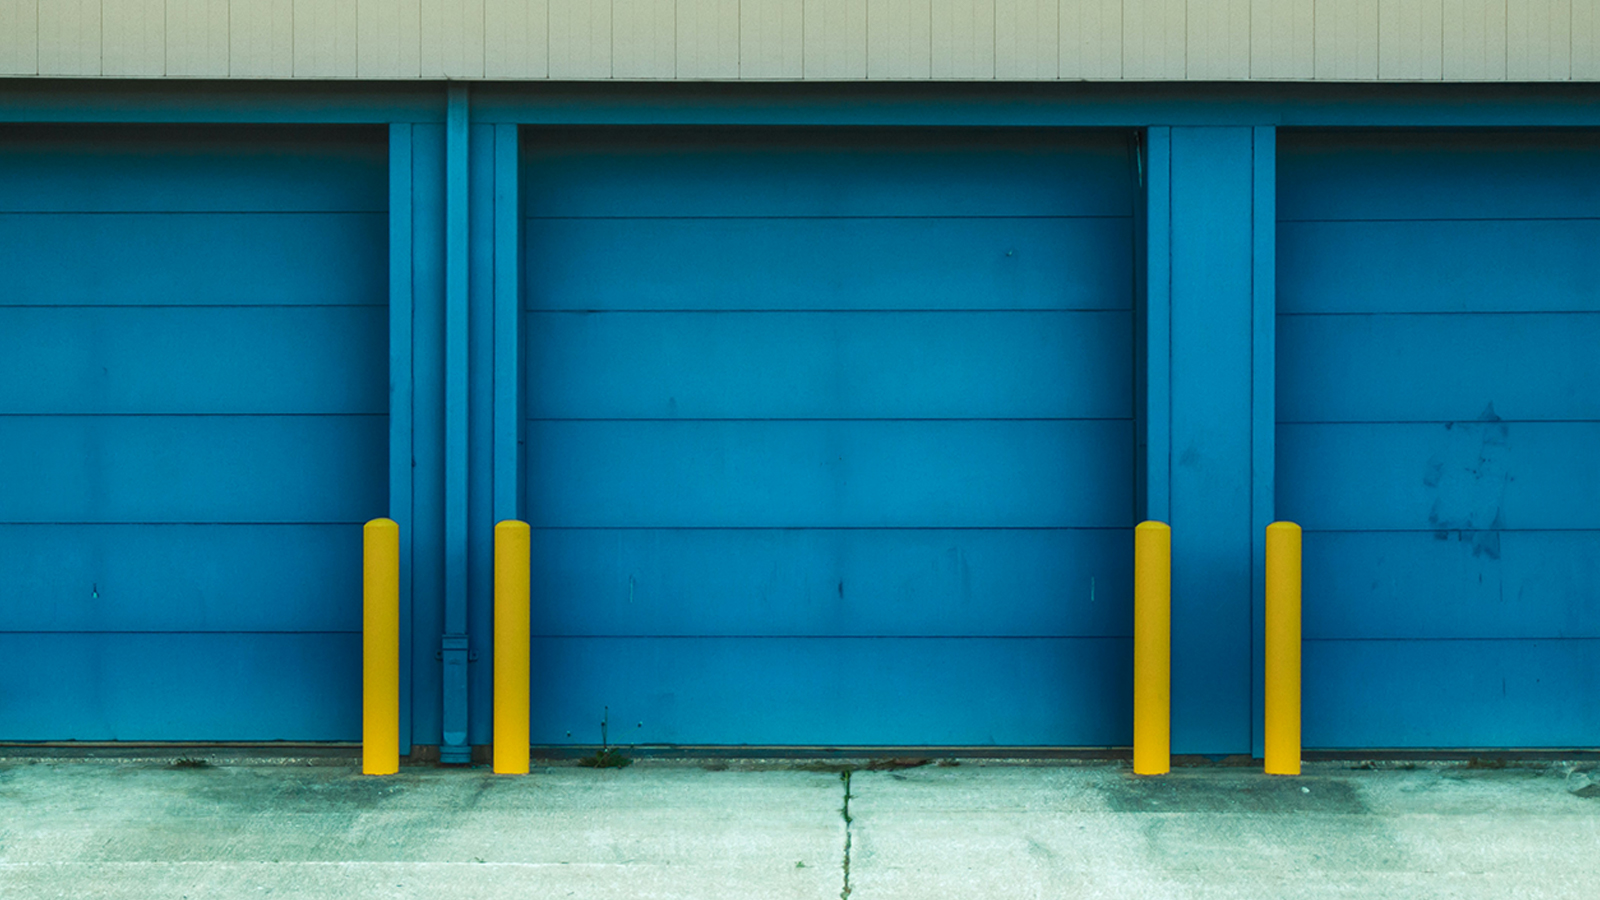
(150, 829)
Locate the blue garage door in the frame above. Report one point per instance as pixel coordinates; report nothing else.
(830, 436)
(193, 423)
(1439, 420)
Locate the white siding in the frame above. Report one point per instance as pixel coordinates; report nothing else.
(1475, 40)
(516, 39)
(388, 42)
(1283, 39)
(899, 39)
(1540, 40)
(1585, 40)
(1218, 40)
(261, 39)
(69, 37)
(963, 40)
(1345, 34)
(771, 38)
(324, 38)
(643, 39)
(580, 39)
(1155, 40)
(19, 37)
(708, 39)
(1091, 40)
(196, 44)
(1410, 40)
(835, 39)
(1027, 35)
(133, 38)
(455, 45)
(913, 40)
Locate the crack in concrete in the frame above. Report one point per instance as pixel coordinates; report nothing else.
(845, 811)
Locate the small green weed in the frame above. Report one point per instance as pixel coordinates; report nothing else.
(607, 758)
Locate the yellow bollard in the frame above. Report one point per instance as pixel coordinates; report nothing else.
(1282, 667)
(1152, 649)
(511, 637)
(380, 648)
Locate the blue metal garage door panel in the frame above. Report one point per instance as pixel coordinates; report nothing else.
(193, 425)
(1438, 408)
(830, 436)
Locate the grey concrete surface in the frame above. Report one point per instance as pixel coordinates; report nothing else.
(1336, 831)
(670, 829)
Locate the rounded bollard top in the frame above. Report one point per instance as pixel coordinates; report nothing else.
(1288, 527)
(1152, 525)
(381, 524)
(511, 525)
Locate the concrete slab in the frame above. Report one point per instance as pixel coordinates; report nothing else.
(1087, 832)
(98, 830)
(686, 829)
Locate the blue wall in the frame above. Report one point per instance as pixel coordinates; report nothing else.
(1206, 373)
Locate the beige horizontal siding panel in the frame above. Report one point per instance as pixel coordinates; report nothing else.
(1090, 40)
(1282, 39)
(19, 37)
(900, 39)
(1585, 40)
(1410, 40)
(1475, 40)
(454, 38)
(1539, 40)
(261, 39)
(516, 39)
(1027, 39)
(643, 39)
(325, 38)
(1345, 38)
(904, 40)
(772, 39)
(963, 40)
(580, 39)
(133, 38)
(835, 39)
(1217, 44)
(197, 38)
(1155, 40)
(388, 38)
(708, 39)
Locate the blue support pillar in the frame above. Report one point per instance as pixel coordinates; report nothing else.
(509, 416)
(496, 388)
(400, 396)
(480, 452)
(1154, 327)
(418, 282)
(495, 382)
(1205, 206)
(1264, 412)
(454, 650)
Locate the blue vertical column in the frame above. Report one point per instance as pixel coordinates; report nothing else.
(1264, 411)
(420, 285)
(510, 419)
(494, 352)
(454, 645)
(401, 429)
(480, 480)
(1206, 292)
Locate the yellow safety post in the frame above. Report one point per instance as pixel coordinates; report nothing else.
(511, 637)
(1152, 649)
(1282, 668)
(380, 648)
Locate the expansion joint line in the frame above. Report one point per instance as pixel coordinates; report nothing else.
(845, 811)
